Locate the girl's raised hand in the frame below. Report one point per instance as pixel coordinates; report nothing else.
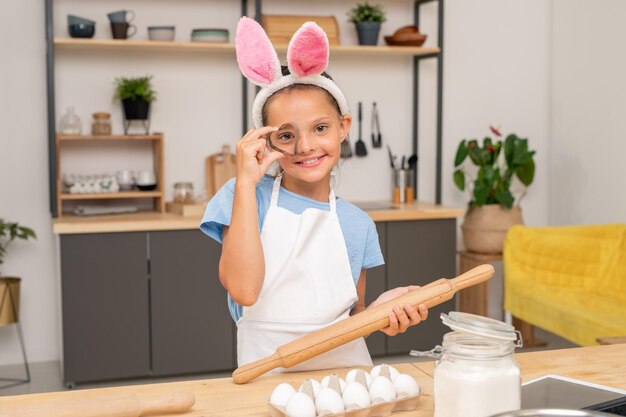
(401, 317)
(252, 161)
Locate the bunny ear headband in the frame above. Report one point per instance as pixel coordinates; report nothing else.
(307, 58)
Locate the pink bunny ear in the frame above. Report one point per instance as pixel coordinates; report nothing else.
(307, 53)
(256, 56)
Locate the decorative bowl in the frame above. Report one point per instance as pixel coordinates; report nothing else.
(209, 35)
(161, 33)
(81, 30)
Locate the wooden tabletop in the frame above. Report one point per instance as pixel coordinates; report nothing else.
(604, 365)
(153, 221)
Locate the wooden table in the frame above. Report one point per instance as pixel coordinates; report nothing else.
(604, 365)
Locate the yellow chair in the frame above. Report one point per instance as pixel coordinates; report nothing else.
(569, 280)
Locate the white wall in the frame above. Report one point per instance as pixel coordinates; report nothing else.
(496, 71)
(588, 141)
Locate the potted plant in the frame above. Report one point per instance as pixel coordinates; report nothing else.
(136, 95)
(493, 208)
(10, 286)
(367, 19)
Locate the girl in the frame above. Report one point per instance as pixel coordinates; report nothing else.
(294, 257)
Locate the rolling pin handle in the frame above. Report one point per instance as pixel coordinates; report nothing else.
(472, 277)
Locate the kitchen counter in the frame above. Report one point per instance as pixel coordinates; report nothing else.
(604, 365)
(152, 221)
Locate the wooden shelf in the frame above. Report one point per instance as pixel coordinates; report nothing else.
(122, 194)
(88, 138)
(116, 44)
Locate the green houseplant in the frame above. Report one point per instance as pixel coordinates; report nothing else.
(493, 207)
(136, 95)
(10, 286)
(367, 19)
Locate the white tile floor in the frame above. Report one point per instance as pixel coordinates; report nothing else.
(46, 376)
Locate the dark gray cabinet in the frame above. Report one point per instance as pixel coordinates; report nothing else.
(419, 252)
(105, 306)
(141, 304)
(191, 325)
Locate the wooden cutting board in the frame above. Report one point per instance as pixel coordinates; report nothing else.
(219, 168)
(280, 28)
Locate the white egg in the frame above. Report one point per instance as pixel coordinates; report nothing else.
(352, 376)
(382, 390)
(328, 378)
(300, 405)
(281, 395)
(406, 386)
(328, 401)
(355, 396)
(393, 372)
(314, 384)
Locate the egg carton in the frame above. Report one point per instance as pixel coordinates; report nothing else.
(375, 410)
(381, 405)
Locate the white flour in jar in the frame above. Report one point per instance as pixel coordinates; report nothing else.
(476, 388)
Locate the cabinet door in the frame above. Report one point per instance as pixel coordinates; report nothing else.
(105, 306)
(420, 252)
(191, 325)
(376, 284)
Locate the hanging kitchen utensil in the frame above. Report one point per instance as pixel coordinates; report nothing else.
(359, 325)
(346, 151)
(377, 140)
(359, 146)
(218, 169)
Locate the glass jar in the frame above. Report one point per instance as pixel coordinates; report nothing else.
(101, 124)
(183, 192)
(70, 123)
(475, 372)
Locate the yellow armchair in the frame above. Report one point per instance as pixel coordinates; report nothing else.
(569, 280)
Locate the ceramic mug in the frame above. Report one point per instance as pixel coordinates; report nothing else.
(146, 177)
(120, 16)
(121, 30)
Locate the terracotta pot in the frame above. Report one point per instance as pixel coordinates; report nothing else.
(484, 228)
(9, 300)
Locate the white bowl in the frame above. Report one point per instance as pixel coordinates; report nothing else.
(209, 35)
(161, 33)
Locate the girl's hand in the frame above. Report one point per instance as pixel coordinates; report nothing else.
(401, 317)
(252, 161)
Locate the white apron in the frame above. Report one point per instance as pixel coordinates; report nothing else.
(308, 285)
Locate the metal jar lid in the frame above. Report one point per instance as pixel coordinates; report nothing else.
(480, 326)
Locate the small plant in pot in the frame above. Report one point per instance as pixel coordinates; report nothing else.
(136, 95)
(493, 207)
(368, 19)
(10, 286)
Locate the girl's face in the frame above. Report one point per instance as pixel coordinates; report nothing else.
(320, 130)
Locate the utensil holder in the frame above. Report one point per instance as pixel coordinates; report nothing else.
(401, 181)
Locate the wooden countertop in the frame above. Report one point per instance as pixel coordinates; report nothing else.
(604, 365)
(153, 221)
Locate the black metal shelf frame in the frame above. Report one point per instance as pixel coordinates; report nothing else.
(258, 6)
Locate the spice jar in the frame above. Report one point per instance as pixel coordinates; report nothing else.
(101, 124)
(475, 372)
(183, 192)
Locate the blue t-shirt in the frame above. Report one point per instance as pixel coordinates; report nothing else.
(359, 231)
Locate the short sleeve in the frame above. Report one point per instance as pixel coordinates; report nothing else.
(373, 256)
(219, 211)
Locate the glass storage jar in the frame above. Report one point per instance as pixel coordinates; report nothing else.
(70, 123)
(475, 372)
(183, 192)
(101, 124)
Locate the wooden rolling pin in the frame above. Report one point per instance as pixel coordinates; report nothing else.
(129, 405)
(359, 325)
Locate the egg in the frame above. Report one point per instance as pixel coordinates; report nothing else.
(385, 370)
(300, 405)
(355, 396)
(315, 386)
(281, 395)
(382, 390)
(354, 375)
(406, 386)
(334, 381)
(328, 401)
